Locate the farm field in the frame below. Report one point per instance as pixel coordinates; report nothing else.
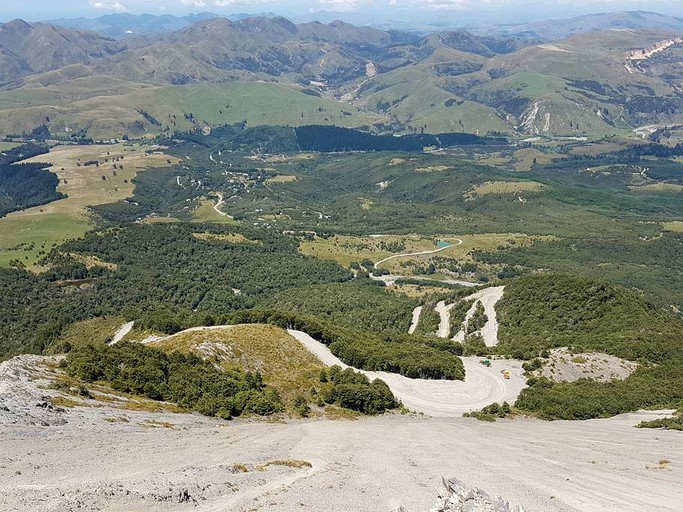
(28, 233)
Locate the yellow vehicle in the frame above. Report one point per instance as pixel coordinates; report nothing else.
(506, 374)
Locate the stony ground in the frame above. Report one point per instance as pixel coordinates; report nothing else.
(115, 459)
(563, 366)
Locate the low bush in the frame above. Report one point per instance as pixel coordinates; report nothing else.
(186, 380)
(354, 391)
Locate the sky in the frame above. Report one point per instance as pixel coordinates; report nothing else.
(500, 10)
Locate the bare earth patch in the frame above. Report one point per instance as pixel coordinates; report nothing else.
(563, 366)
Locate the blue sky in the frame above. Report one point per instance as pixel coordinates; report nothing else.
(392, 9)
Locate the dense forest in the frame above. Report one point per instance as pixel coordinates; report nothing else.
(362, 304)
(25, 185)
(22, 152)
(212, 270)
(334, 139)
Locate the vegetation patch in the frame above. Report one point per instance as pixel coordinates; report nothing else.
(674, 422)
(285, 365)
(97, 331)
(428, 323)
(675, 226)
(503, 187)
(280, 179)
(491, 412)
(289, 463)
(355, 304)
(231, 238)
(353, 390)
(543, 312)
(183, 379)
(434, 168)
(658, 187)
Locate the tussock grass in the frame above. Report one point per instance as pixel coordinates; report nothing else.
(282, 361)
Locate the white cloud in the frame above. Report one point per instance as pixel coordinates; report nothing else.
(193, 3)
(110, 6)
(228, 3)
(342, 5)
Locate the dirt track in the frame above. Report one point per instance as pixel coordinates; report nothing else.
(415, 320)
(420, 253)
(441, 398)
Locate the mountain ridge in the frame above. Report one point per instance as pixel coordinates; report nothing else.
(444, 81)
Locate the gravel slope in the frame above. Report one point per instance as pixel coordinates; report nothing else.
(488, 297)
(374, 464)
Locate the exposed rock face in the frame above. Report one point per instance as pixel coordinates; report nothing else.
(458, 498)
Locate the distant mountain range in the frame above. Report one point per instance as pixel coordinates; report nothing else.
(594, 83)
(554, 30)
(127, 25)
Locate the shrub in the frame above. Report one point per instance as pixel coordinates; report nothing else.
(183, 379)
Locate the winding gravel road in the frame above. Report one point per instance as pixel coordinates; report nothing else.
(420, 253)
(488, 297)
(441, 398)
(220, 202)
(415, 320)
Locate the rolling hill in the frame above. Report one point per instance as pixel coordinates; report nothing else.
(593, 84)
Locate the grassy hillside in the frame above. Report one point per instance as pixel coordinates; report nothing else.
(109, 107)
